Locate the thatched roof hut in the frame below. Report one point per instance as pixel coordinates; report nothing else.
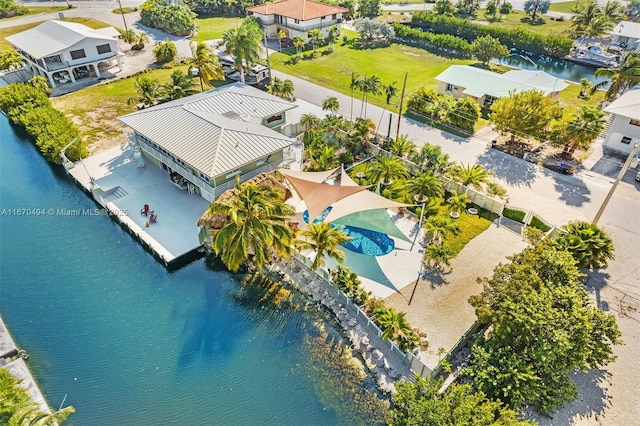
(217, 221)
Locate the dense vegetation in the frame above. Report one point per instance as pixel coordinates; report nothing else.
(172, 18)
(557, 45)
(10, 8)
(463, 113)
(31, 109)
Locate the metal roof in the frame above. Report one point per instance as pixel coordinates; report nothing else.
(478, 82)
(627, 105)
(627, 29)
(208, 141)
(51, 37)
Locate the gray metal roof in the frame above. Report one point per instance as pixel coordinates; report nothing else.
(51, 37)
(478, 82)
(627, 105)
(210, 142)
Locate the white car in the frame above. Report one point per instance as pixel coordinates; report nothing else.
(638, 176)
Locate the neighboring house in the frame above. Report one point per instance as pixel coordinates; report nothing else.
(624, 127)
(485, 87)
(297, 17)
(66, 51)
(626, 36)
(204, 141)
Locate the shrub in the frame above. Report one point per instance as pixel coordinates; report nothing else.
(172, 18)
(165, 51)
(513, 214)
(537, 223)
(346, 158)
(9, 8)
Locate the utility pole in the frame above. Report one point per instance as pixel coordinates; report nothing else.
(404, 85)
(122, 13)
(615, 183)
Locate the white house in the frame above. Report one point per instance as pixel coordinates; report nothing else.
(66, 51)
(624, 127)
(485, 87)
(204, 141)
(626, 36)
(297, 17)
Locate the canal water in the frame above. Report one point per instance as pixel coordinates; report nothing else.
(556, 67)
(114, 334)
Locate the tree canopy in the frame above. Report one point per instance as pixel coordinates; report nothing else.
(174, 18)
(486, 48)
(541, 326)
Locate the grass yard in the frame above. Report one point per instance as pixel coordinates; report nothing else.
(518, 19)
(35, 10)
(566, 6)
(213, 28)
(124, 10)
(569, 97)
(469, 227)
(7, 31)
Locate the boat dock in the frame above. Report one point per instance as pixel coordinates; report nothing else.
(11, 361)
(122, 182)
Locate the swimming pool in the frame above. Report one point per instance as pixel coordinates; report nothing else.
(365, 241)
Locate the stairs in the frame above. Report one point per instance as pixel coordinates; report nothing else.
(114, 193)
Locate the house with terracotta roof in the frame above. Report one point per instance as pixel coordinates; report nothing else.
(297, 17)
(65, 51)
(624, 127)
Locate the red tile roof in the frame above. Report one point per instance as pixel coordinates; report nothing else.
(302, 10)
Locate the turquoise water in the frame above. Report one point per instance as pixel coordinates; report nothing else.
(366, 241)
(126, 341)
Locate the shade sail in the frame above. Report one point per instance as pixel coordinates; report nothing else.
(364, 266)
(361, 201)
(375, 220)
(317, 177)
(345, 179)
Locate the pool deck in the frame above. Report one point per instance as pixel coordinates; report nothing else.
(124, 183)
(18, 368)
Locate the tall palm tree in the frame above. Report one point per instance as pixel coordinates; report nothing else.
(275, 88)
(355, 84)
(622, 78)
(431, 157)
(309, 121)
(288, 91)
(584, 15)
(437, 255)
(370, 86)
(298, 43)
(257, 226)
(584, 128)
(613, 11)
(206, 62)
(425, 184)
(439, 227)
(458, 202)
(178, 86)
(324, 239)
(396, 327)
(386, 169)
(331, 104)
(589, 244)
(467, 175)
(243, 43)
(390, 92)
(599, 26)
(316, 39)
(149, 91)
(332, 36)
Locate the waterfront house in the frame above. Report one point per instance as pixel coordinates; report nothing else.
(626, 36)
(624, 123)
(65, 51)
(297, 17)
(205, 141)
(485, 87)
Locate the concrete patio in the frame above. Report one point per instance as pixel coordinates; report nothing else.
(123, 182)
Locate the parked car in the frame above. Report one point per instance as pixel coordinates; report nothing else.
(286, 42)
(638, 177)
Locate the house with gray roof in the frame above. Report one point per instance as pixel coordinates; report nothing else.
(205, 141)
(624, 123)
(485, 87)
(65, 51)
(626, 36)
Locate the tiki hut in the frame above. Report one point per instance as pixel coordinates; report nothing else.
(216, 222)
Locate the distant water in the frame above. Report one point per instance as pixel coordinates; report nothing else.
(127, 342)
(558, 68)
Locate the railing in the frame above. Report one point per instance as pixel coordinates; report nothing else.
(324, 24)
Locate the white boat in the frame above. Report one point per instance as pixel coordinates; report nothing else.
(597, 55)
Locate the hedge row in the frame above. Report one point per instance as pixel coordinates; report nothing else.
(442, 43)
(51, 130)
(553, 44)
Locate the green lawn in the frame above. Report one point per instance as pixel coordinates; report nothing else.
(469, 227)
(7, 31)
(35, 10)
(518, 19)
(124, 10)
(569, 97)
(566, 6)
(213, 28)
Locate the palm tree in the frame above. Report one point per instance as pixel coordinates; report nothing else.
(299, 43)
(439, 227)
(425, 184)
(348, 281)
(275, 88)
(31, 415)
(385, 169)
(403, 146)
(257, 226)
(583, 16)
(613, 11)
(370, 86)
(149, 92)
(178, 86)
(206, 62)
(584, 128)
(396, 327)
(621, 78)
(288, 90)
(332, 36)
(390, 92)
(496, 190)
(458, 202)
(331, 104)
(431, 157)
(309, 121)
(141, 40)
(467, 175)
(316, 39)
(599, 26)
(243, 43)
(323, 157)
(589, 244)
(437, 255)
(324, 239)
(128, 36)
(355, 84)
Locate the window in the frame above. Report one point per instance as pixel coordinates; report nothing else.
(104, 48)
(449, 88)
(634, 122)
(334, 16)
(626, 140)
(274, 118)
(232, 174)
(322, 18)
(77, 54)
(489, 100)
(297, 21)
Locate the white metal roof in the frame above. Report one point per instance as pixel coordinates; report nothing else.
(53, 36)
(478, 82)
(627, 105)
(627, 29)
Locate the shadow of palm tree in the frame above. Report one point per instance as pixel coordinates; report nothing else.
(573, 192)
